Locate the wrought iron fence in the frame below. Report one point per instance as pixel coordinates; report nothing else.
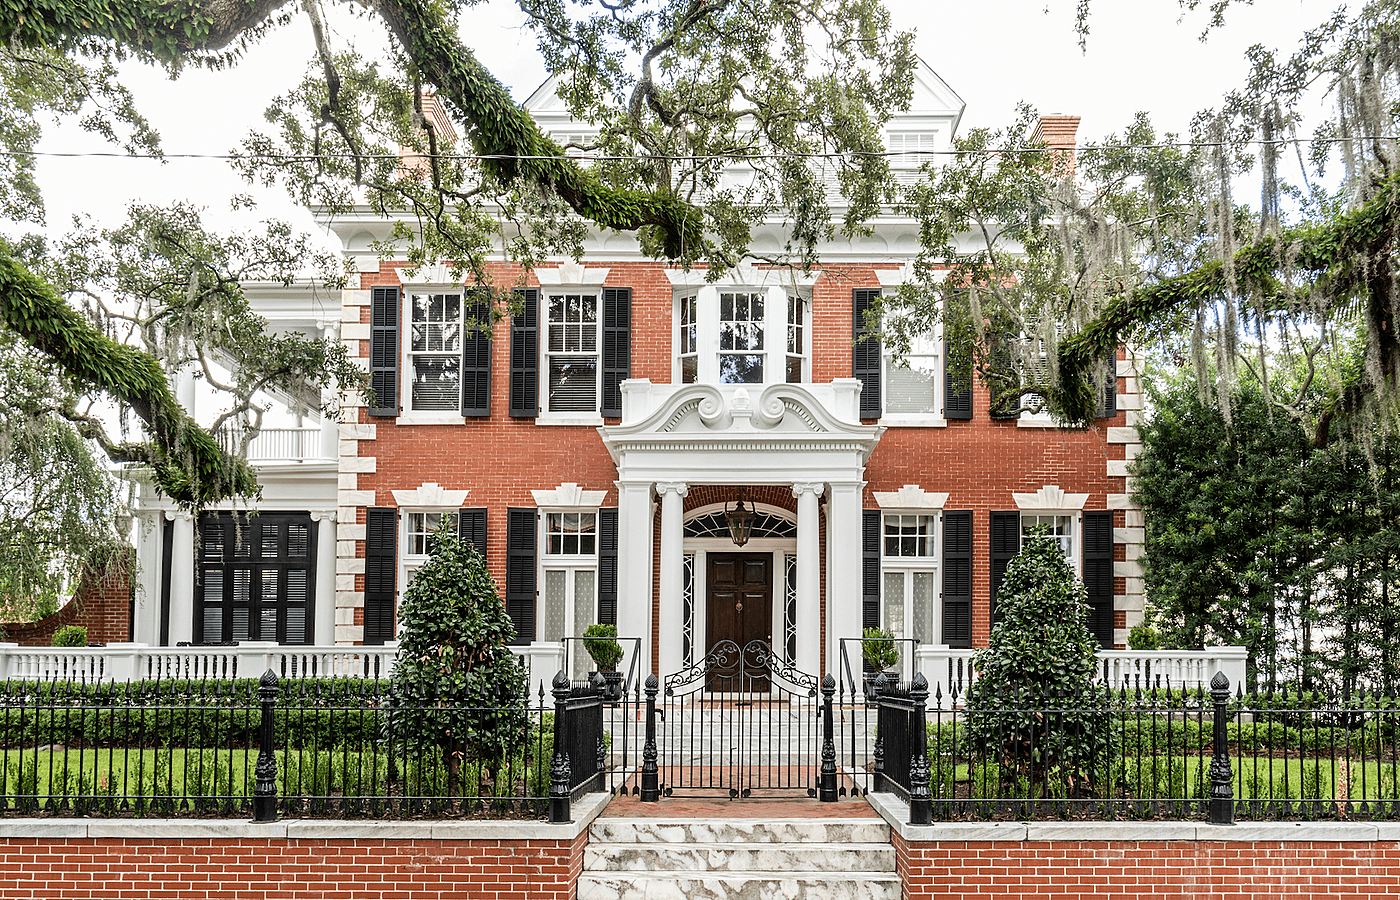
(304, 747)
(1131, 751)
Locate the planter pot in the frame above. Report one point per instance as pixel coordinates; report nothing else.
(612, 685)
(877, 683)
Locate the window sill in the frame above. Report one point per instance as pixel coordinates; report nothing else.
(559, 419)
(1037, 422)
(913, 421)
(429, 419)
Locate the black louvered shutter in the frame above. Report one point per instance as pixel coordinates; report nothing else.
(1006, 543)
(1108, 391)
(1098, 574)
(525, 357)
(865, 355)
(957, 578)
(476, 357)
(384, 350)
(617, 348)
(870, 570)
(957, 391)
(607, 566)
(381, 548)
(471, 528)
(520, 572)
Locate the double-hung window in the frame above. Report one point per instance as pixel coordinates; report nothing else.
(741, 347)
(571, 351)
(909, 569)
(419, 527)
(1058, 528)
(435, 351)
(913, 384)
(687, 340)
(569, 599)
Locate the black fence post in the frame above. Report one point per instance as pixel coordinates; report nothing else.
(651, 787)
(1222, 781)
(920, 804)
(828, 793)
(877, 781)
(559, 770)
(265, 772)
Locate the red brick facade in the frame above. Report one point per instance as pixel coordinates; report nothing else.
(1146, 870)
(499, 459)
(287, 869)
(103, 607)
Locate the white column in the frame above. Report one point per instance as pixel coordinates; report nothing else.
(809, 578)
(634, 570)
(181, 578)
(325, 578)
(672, 574)
(843, 572)
(149, 534)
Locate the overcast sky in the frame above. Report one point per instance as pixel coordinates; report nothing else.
(1142, 55)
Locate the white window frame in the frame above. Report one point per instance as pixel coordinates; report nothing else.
(409, 415)
(777, 301)
(908, 566)
(570, 565)
(1072, 555)
(933, 344)
(410, 562)
(570, 417)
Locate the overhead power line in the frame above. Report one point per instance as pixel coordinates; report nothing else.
(734, 157)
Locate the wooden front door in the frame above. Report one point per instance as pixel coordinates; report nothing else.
(739, 599)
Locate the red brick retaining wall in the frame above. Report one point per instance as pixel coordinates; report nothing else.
(1138, 870)
(267, 868)
(103, 607)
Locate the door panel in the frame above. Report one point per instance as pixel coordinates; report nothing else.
(739, 600)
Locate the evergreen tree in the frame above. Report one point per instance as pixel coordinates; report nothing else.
(457, 692)
(1034, 706)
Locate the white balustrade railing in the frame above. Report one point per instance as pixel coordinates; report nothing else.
(131, 662)
(948, 669)
(277, 444)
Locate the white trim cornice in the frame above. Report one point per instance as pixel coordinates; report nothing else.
(571, 272)
(1050, 497)
(911, 496)
(438, 273)
(431, 494)
(745, 274)
(569, 494)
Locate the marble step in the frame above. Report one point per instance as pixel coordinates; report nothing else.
(746, 886)
(743, 831)
(792, 857)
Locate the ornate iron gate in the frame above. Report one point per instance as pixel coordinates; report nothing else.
(738, 723)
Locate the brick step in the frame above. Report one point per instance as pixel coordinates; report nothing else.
(792, 856)
(692, 831)
(746, 886)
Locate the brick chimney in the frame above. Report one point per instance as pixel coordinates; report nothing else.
(1057, 132)
(411, 164)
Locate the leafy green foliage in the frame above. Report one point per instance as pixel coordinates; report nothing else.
(70, 636)
(1256, 536)
(603, 646)
(1034, 706)
(457, 691)
(878, 647)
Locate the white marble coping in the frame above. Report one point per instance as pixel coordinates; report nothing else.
(896, 813)
(584, 811)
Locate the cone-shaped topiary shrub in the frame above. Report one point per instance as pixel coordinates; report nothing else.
(1035, 709)
(457, 693)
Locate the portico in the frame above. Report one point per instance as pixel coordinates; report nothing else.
(805, 438)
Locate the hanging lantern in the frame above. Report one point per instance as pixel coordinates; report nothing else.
(740, 521)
